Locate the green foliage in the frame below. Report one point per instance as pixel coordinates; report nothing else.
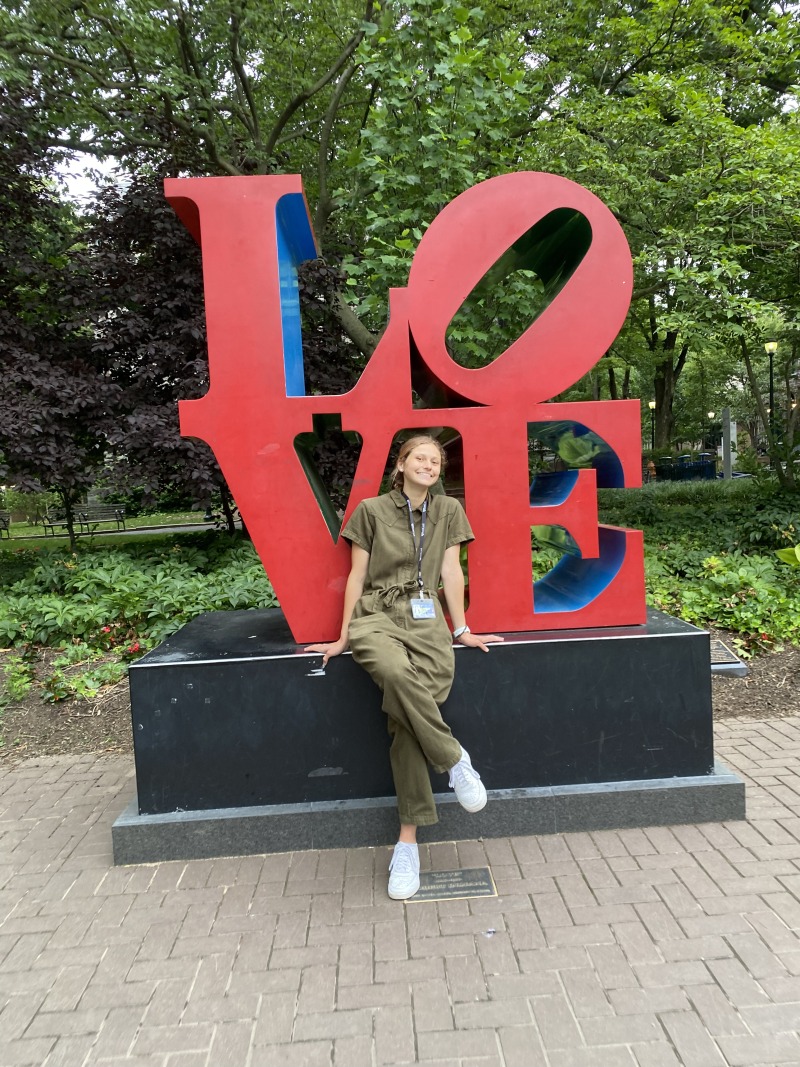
(86, 683)
(169, 499)
(33, 506)
(789, 555)
(104, 607)
(681, 116)
(450, 101)
(747, 461)
(743, 513)
(109, 597)
(705, 561)
(774, 526)
(77, 653)
(17, 676)
(742, 593)
(16, 564)
(79, 671)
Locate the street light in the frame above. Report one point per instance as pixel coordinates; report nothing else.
(771, 347)
(710, 427)
(652, 405)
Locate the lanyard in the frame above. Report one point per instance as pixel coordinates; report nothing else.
(421, 535)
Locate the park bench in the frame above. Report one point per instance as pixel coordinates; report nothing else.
(92, 516)
(54, 520)
(86, 518)
(5, 523)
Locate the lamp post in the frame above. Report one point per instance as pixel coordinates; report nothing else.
(652, 405)
(771, 347)
(710, 427)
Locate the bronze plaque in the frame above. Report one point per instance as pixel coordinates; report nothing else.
(720, 653)
(725, 661)
(450, 885)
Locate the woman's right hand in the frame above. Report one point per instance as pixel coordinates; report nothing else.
(329, 648)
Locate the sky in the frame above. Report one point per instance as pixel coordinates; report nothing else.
(78, 180)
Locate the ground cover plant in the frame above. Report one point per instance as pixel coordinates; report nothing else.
(711, 554)
(104, 606)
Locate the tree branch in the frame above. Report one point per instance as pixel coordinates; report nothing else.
(242, 80)
(325, 204)
(84, 68)
(306, 94)
(121, 43)
(193, 67)
(361, 337)
(372, 91)
(190, 62)
(681, 360)
(649, 290)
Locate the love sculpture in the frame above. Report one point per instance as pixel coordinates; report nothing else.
(254, 233)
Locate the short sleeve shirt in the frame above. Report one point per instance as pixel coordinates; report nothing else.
(380, 525)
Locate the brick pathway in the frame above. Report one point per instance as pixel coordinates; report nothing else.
(642, 947)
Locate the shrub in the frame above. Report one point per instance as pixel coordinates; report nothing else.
(746, 594)
(16, 564)
(110, 596)
(706, 554)
(719, 515)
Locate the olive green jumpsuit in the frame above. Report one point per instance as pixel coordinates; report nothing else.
(411, 660)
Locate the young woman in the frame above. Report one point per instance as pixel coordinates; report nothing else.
(404, 545)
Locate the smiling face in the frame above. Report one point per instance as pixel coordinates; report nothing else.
(420, 469)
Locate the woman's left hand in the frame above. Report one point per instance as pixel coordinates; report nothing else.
(478, 640)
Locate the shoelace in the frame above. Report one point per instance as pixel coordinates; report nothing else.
(402, 861)
(463, 771)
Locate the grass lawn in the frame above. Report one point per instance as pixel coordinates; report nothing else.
(26, 535)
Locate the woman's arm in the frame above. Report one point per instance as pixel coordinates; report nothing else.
(359, 562)
(453, 586)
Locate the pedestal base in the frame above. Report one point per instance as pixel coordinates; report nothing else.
(189, 835)
(243, 744)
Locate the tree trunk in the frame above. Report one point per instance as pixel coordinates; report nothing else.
(227, 510)
(613, 388)
(612, 384)
(69, 516)
(664, 384)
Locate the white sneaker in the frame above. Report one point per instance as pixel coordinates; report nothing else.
(404, 871)
(470, 791)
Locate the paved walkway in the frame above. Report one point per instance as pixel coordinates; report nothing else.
(651, 948)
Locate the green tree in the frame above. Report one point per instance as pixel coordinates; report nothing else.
(57, 402)
(675, 112)
(683, 130)
(218, 87)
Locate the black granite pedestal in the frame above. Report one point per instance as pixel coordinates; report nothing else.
(243, 744)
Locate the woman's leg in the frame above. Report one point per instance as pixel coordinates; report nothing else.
(433, 666)
(413, 681)
(415, 803)
(410, 693)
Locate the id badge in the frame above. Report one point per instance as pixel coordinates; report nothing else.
(422, 608)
